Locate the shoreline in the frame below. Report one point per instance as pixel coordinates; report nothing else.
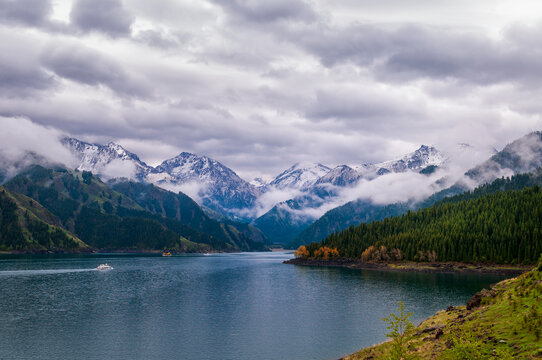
(437, 267)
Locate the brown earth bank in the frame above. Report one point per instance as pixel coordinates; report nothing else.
(407, 266)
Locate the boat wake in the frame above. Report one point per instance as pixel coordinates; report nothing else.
(41, 272)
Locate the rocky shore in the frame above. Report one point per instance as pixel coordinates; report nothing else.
(435, 267)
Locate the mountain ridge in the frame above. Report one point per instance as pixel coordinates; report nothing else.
(507, 161)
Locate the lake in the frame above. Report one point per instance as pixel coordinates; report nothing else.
(222, 306)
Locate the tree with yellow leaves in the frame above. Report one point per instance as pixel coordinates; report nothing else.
(302, 252)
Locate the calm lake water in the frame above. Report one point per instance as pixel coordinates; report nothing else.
(235, 306)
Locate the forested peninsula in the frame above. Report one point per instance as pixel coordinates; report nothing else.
(496, 224)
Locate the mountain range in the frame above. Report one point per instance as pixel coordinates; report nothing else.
(523, 155)
(286, 220)
(217, 186)
(232, 203)
(128, 216)
(221, 190)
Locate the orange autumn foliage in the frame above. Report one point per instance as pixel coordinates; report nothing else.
(301, 252)
(326, 253)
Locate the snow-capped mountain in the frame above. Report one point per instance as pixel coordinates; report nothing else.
(300, 176)
(310, 175)
(321, 186)
(415, 161)
(342, 175)
(521, 155)
(258, 182)
(110, 160)
(221, 188)
(215, 185)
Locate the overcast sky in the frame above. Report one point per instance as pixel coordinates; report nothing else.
(260, 85)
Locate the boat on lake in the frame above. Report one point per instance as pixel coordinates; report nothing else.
(104, 267)
(166, 253)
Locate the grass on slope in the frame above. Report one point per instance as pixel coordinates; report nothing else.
(506, 325)
(30, 226)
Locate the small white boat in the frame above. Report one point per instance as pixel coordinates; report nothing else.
(104, 267)
(207, 254)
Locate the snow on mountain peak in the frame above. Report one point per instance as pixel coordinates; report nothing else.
(341, 175)
(300, 176)
(258, 182)
(100, 158)
(417, 160)
(221, 189)
(187, 166)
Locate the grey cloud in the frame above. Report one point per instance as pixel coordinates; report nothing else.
(269, 11)
(22, 79)
(358, 43)
(107, 16)
(21, 74)
(261, 85)
(27, 12)
(403, 53)
(157, 39)
(365, 104)
(90, 67)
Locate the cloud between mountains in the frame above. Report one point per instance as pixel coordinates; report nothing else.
(262, 85)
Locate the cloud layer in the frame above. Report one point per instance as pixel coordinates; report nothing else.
(260, 85)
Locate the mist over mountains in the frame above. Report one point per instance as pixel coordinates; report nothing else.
(288, 204)
(303, 190)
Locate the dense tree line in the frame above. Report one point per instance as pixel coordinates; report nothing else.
(179, 207)
(500, 227)
(515, 182)
(11, 233)
(170, 224)
(359, 211)
(105, 231)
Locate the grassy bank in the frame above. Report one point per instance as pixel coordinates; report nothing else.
(504, 322)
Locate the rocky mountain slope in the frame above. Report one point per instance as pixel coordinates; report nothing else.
(221, 189)
(521, 155)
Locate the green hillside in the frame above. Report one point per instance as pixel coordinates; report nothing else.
(351, 213)
(104, 218)
(281, 225)
(500, 227)
(185, 210)
(25, 225)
